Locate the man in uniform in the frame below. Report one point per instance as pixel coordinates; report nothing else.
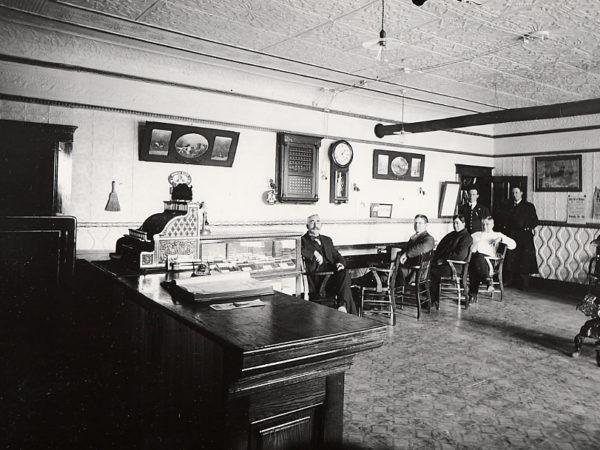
(473, 212)
(520, 219)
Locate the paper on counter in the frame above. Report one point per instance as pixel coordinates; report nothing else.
(235, 305)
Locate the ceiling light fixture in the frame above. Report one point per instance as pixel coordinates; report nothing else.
(384, 43)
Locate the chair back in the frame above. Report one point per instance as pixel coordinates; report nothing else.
(424, 265)
(314, 283)
(500, 255)
(501, 250)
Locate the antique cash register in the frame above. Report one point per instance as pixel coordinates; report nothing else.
(179, 239)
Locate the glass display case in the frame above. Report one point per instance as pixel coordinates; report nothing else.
(269, 255)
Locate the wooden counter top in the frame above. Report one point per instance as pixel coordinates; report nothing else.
(285, 329)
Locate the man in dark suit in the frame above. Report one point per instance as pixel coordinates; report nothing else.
(419, 243)
(320, 255)
(455, 246)
(473, 212)
(520, 219)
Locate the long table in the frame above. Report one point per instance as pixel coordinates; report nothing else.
(190, 376)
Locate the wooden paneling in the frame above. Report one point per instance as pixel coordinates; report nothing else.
(186, 376)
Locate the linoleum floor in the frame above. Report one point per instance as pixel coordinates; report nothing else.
(495, 376)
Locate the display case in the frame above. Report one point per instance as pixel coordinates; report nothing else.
(272, 255)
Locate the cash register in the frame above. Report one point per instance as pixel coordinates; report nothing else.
(179, 238)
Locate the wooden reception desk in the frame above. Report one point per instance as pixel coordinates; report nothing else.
(187, 376)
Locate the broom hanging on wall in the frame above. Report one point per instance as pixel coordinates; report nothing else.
(113, 200)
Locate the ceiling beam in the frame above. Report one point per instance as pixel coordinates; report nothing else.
(557, 110)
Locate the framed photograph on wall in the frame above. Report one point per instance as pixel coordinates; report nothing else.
(382, 210)
(557, 173)
(390, 165)
(449, 196)
(173, 143)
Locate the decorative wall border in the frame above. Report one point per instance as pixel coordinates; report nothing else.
(198, 120)
(270, 223)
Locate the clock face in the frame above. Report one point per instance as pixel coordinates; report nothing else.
(180, 177)
(342, 153)
(399, 166)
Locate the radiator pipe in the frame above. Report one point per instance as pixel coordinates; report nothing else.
(568, 109)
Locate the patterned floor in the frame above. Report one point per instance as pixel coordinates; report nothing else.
(495, 376)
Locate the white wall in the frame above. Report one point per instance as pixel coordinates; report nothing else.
(552, 205)
(108, 107)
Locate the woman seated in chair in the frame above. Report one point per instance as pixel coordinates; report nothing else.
(485, 243)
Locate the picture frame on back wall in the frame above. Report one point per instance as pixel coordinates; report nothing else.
(557, 173)
(174, 143)
(390, 165)
(449, 196)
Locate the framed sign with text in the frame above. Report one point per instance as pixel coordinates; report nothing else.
(173, 143)
(390, 165)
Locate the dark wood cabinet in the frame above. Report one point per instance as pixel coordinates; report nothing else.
(187, 376)
(35, 159)
(37, 256)
(298, 168)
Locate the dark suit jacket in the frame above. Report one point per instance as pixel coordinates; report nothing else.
(474, 216)
(331, 256)
(417, 245)
(455, 245)
(520, 221)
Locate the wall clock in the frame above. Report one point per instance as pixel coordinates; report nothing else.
(340, 154)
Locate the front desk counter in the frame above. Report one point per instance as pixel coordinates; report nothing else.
(188, 376)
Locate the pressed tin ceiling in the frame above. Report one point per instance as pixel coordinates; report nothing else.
(479, 55)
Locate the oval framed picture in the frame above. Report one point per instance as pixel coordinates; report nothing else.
(191, 146)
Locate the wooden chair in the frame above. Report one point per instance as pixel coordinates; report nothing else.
(384, 292)
(457, 283)
(495, 263)
(318, 294)
(415, 287)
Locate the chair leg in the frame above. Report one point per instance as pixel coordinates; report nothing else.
(418, 297)
(501, 285)
(392, 320)
(362, 302)
(428, 300)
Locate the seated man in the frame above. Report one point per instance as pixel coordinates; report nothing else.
(320, 255)
(419, 243)
(455, 245)
(485, 243)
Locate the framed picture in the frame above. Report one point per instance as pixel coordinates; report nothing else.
(449, 198)
(173, 143)
(558, 173)
(390, 165)
(383, 210)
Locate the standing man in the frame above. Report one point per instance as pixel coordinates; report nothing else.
(455, 245)
(520, 219)
(419, 243)
(473, 212)
(320, 255)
